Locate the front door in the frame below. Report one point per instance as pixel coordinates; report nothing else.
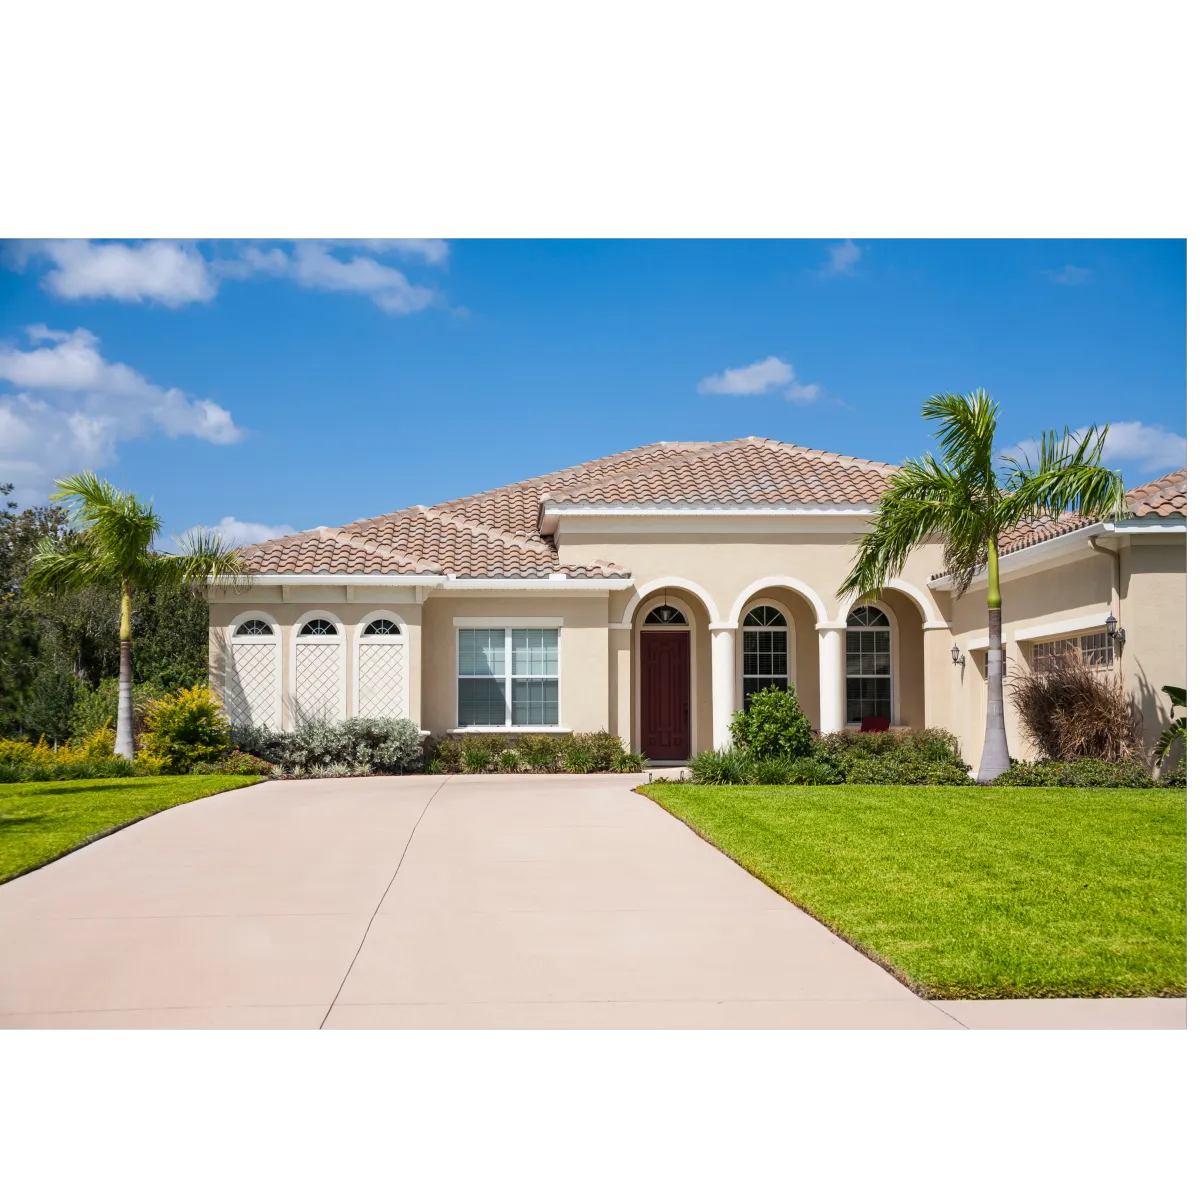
(666, 695)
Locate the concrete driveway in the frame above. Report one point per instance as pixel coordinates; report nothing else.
(430, 902)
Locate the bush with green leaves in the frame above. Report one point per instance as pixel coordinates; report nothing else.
(731, 766)
(358, 746)
(1080, 772)
(574, 753)
(96, 706)
(186, 728)
(236, 762)
(892, 769)
(774, 726)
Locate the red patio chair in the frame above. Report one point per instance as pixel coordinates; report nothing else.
(875, 724)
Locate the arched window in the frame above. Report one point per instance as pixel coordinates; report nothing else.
(868, 664)
(381, 628)
(764, 651)
(665, 614)
(318, 627)
(254, 628)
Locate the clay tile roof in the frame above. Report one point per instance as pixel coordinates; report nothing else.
(497, 533)
(1165, 497)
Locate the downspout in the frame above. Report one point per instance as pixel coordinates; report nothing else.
(1114, 604)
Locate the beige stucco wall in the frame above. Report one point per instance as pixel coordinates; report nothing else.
(583, 649)
(224, 610)
(1154, 614)
(1151, 607)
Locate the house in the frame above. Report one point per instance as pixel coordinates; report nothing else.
(651, 592)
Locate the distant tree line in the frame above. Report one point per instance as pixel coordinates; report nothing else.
(60, 655)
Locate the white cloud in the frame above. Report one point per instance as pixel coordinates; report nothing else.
(246, 533)
(162, 271)
(1148, 449)
(767, 375)
(74, 407)
(762, 376)
(843, 257)
(1071, 276)
(174, 274)
(804, 393)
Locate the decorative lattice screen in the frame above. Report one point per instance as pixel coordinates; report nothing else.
(250, 689)
(318, 684)
(381, 679)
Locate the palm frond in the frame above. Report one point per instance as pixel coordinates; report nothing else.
(1067, 476)
(121, 528)
(67, 564)
(902, 524)
(203, 557)
(966, 429)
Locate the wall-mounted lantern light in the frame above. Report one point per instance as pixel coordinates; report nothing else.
(955, 655)
(1114, 634)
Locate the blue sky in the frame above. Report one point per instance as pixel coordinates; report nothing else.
(286, 385)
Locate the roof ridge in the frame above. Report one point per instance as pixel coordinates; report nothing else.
(565, 472)
(700, 452)
(821, 455)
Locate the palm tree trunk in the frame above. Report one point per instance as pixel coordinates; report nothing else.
(125, 686)
(994, 760)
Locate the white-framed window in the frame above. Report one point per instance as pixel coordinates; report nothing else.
(1095, 651)
(380, 666)
(868, 664)
(764, 651)
(318, 669)
(508, 677)
(253, 672)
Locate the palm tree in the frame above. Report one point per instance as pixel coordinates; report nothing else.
(109, 543)
(967, 501)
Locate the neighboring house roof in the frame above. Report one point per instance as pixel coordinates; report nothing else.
(497, 533)
(1164, 497)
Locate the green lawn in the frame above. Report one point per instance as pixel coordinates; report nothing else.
(41, 821)
(973, 892)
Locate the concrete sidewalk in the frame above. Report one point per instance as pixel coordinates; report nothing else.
(447, 902)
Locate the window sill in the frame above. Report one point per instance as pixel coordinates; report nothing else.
(511, 729)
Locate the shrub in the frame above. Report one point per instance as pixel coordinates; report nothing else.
(96, 707)
(34, 762)
(236, 762)
(772, 727)
(719, 766)
(894, 769)
(812, 772)
(630, 761)
(476, 759)
(539, 751)
(579, 759)
(1081, 772)
(1070, 712)
(146, 763)
(186, 728)
(361, 745)
(509, 760)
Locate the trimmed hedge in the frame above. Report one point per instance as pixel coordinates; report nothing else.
(574, 753)
(1082, 772)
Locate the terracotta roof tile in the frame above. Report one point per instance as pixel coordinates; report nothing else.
(496, 533)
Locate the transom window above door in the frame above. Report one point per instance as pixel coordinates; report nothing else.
(764, 651)
(318, 627)
(665, 614)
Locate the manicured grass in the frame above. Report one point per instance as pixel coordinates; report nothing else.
(973, 892)
(42, 821)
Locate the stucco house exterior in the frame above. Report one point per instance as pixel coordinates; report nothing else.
(650, 592)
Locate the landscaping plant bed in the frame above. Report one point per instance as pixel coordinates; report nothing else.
(972, 893)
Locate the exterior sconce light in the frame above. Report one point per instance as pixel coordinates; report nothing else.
(1114, 634)
(955, 655)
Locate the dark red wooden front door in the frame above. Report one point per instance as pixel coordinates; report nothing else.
(666, 695)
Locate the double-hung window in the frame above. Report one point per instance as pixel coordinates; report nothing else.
(508, 677)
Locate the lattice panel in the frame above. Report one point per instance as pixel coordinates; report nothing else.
(318, 681)
(251, 698)
(381, 679)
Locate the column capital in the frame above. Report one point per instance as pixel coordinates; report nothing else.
(723, 626)
(826, 626)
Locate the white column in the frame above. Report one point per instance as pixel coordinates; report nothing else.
(833, 680)
(723, 677)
